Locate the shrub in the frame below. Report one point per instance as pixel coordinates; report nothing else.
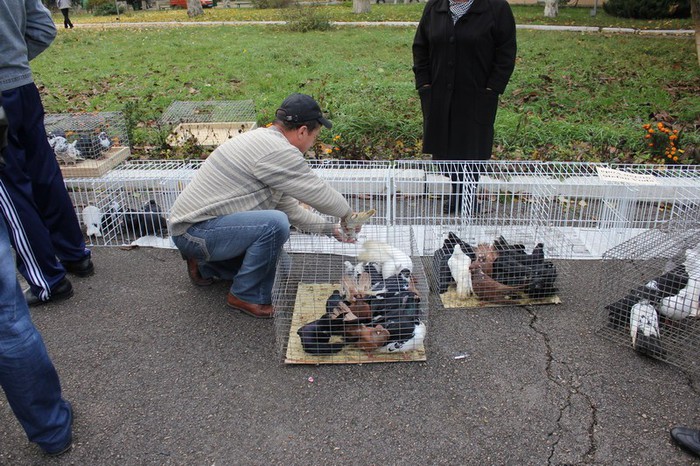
(104, 7)
(648, 9)
(306, 18)
(262, 4)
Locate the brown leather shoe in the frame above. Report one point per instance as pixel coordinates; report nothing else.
(195, 276)
(259, 311)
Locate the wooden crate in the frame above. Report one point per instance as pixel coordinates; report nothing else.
(96, 167)
(208, 134)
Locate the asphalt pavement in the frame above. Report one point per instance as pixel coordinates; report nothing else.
(161, 372)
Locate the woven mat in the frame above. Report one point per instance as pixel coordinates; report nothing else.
(310, 305)
(450, 300)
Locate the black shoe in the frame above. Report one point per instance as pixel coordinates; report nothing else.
(62, 291)
(81, 268)
(688, 439)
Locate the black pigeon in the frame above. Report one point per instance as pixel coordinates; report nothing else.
(148, 222)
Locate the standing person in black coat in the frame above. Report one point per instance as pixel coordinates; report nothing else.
(463, 57)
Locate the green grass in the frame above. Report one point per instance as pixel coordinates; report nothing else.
(524, 14)
(573, 96)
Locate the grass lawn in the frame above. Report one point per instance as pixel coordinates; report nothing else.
(573, 96)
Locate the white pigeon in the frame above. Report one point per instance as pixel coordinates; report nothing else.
(692, 262)
(415, 342)
(684, 304)
(644, 328)
(391, 260)
(459, 264)
(92, 219)
(105, 142)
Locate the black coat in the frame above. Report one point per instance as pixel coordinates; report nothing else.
(459, 62)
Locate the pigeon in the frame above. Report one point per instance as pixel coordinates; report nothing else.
(402, 322)
(459, 264)
(111, 218)
(105, 142)
(644, 329)
(391, 260)
(667, 284)
(442, 255)
(355, 221)
(89, 146)
(488, 289)
(92, 218)
(684, 304)
(315, 336)
(147, 222)
(66, 153)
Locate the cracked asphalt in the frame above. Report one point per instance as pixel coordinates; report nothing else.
(161, 372)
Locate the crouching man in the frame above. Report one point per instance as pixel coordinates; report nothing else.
(233, 218)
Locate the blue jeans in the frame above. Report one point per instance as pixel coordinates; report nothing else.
(27, 375)
(243, 247)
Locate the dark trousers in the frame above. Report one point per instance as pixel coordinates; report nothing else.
(465, 179)
(33, 197)
(66, 19)
(27, 375)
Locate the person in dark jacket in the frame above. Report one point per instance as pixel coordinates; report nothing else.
(463, 57)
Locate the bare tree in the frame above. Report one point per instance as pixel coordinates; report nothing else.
(360, 6)
(695, 10)
(194, 8)
(551, 8)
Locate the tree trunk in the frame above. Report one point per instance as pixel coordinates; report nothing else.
(695, 10)
(551, 8)
(194, 8)
(360, 6)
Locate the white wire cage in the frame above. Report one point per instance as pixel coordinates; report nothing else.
(87, 144)
(208, 123)
(650, 294)
(382, 283)
(131, 204)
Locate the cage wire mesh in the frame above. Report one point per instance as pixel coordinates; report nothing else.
(208, 123)
(573, 210)
(131, 203)
(386, 313)
(650, 293)
(87, 144)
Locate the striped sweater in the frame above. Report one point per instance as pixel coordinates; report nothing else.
(258, 170)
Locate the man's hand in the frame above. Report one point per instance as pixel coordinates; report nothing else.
(352, 224)
(339, 233)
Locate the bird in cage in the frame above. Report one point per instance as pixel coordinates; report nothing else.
(66, 153)
(105, 141)
(442, 255)
(92, 219)
(667, 284)
(687, 302)
(391, 259)
(644, 329)
(489, 290)
(684, 304)
(406, 331)
(355, 221)
(459, 264)
(147, 222)
(89, 146)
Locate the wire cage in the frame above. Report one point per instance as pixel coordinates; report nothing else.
(87, 144)
(131, 204)
(341, 303)
(208, 123)
(650, 293)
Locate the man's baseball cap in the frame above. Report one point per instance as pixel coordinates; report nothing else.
(298, 108)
